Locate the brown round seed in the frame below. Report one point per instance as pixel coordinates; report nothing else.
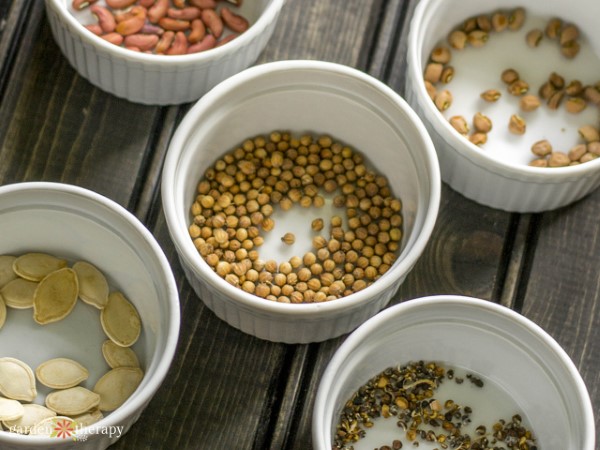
(558, 159)
(457, 39)
(541, 148)
(529, 102)
(575, 153)
(589, 133)
(499, 21)
(518, 87)
(459, 123)
(478, 138)
(539, 163)
(534, 37)
(509, 76)
(553, 28)
(441, 55)
(491, 95)
(443, 100)
(575, 105)
(477, 38)
(433, 72)
(517, 125)
(482, 123)
(516, 18)
(288, 238)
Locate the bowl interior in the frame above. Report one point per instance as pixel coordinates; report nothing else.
(479, 69)
(482, 338)
(305, 98)
(249, 10)
(78, 225)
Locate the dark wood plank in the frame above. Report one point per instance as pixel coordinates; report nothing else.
(58, 127)
(561, 294)
(244, 391)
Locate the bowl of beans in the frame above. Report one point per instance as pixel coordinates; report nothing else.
(451, 372)
(89, 317)
(161, 51)
(510, 95)
(299, 195)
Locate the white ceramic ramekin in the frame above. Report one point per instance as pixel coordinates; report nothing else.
(482, 337)
(302, 96)
(159, 79)
(78, 224)
(499, 183)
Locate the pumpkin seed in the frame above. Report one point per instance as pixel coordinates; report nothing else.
(6, 269)
(17, 381)
(117, 356)
(116, 386)
(18, 293)
(93, 287)
(55, 297)
(61, 373)
(35, 266)
(120, 320)
(33, 414)
(10, 409)
(48, 425)
(88, 418)
(2, 311)
(72, 401)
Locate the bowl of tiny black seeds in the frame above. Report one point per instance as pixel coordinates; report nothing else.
(510, 95)
(451, 372)
(299, 194)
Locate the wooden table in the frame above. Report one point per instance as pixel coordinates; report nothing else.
(227, 390)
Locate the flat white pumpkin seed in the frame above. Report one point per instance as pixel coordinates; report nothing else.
(17, 381)
(120, 320)
(72, 401)
(2, 311)
(35, 266)
(116, 386)
(33, 414)
(55, 296)
(10, 409)
(88, 418)
(18, 293)
(117, 356)
(47, 427)
(61, 373)
(6, 269)
(93, 287)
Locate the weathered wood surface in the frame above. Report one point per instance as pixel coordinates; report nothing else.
(226, 389)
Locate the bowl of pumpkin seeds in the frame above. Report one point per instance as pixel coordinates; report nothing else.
(89, 317)
(451, 372)
(299, 195)
(510, 95)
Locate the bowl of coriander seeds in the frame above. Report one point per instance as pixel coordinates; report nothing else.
(451, 372)
(299, 195)
(89, 317)
(510, 94)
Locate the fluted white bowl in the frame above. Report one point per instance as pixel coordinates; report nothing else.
(159, 79)
(302, 96)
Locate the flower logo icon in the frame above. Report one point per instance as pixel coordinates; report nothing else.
(63, 428)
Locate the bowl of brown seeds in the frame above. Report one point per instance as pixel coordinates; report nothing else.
(451, 372)
(299, 194)
(89, 317)
(161, 51)
(511, 97)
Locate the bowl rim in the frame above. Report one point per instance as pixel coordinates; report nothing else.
(267, 17)
(462, 146)
(135, 405)
(354, 340)
(185, 246)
